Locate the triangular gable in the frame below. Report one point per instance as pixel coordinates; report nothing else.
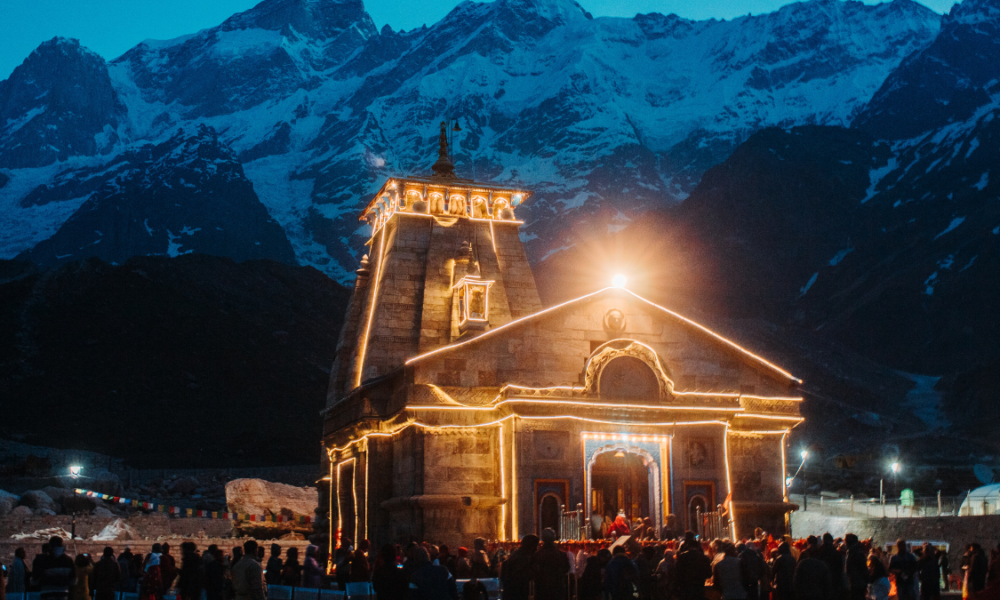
(534, 318)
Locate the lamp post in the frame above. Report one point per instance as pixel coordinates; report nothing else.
(894, 467)
(805, 489)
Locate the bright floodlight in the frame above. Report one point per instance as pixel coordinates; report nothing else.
(618, 281)
(788, 482)
(74, 471)
(804, 454)
(895, 467)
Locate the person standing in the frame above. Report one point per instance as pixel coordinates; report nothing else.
(693, 568)
(929, 573)
(974, 570)
(480, 562)
(430, 581)
(878, 579)
(151, 586)
(518, 571)
(945, 571)
(903, 567)
(18, 576)
(215, 573)
(621, 576)
(728, 575)
(783, 573)
(84, 570)
(552, 568)
(834, 561)
(248, 575)
(360, 569)
(272, 574)
(665, 576)
(191, 579)
(127, 581)
(388, 579)
(40, 558)
(752, 567)
(856, 568)
(812, 578)
(107, 576)
(291, 571)
(590, 581)
(168, 568)
(311, 575)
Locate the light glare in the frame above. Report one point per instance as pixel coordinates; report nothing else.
(618, 281)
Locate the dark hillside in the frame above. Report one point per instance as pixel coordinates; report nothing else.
(190, 361)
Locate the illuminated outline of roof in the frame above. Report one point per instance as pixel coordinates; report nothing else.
(733, 345)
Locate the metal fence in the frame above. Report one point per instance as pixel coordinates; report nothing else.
(712, 525)
(885, 508)
(573, 524)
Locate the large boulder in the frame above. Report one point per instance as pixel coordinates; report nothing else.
(184, 485)
(21, 511)
(78, 504)
(7, 502)
(36, 499)
(256, 497)
(106, 482)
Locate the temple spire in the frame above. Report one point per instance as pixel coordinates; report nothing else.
(443, 167)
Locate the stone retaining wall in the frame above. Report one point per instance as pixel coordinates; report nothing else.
(146, 526)
(957, 531)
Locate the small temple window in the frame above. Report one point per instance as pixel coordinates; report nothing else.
(473, 300)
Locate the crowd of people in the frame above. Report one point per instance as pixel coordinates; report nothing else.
(762, 568)
(211, 575)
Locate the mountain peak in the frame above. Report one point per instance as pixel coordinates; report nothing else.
(315, 18)
(972, 12)
(56, 104)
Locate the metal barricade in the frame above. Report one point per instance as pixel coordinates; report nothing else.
(712, 525)
(572, 524)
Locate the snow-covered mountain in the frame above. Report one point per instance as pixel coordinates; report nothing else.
(606, 118)
(145, 201)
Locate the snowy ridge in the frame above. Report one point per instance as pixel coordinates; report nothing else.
(605, 118)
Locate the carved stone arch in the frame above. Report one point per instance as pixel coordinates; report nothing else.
(638, 352)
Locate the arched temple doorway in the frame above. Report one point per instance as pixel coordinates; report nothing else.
(619, 482)
(548, 513)
(623, 478)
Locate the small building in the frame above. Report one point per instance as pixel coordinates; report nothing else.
(460, 407)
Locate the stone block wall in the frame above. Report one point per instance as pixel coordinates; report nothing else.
(151, 526)
(957, 531)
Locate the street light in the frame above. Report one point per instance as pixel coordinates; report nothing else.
(895, 467)
(74, 471)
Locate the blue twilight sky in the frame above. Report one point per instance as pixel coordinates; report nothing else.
(110, 27)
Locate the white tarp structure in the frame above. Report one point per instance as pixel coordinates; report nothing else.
(116, 530)
(982, 501)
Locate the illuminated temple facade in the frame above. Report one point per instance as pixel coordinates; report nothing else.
(459, 407)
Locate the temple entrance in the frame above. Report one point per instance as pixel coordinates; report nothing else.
(619, 482)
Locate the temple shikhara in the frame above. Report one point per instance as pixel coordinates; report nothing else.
(460, 407)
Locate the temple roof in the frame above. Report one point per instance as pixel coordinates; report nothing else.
(726, 342)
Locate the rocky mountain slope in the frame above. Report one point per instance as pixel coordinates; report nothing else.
(182, 362)
(141, 204)
(606, 118)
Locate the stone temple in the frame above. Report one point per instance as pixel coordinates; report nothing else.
(460, 407)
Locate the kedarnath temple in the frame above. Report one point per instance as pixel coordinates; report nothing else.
(460, 407)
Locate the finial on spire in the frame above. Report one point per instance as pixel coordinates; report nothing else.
(443, 167)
